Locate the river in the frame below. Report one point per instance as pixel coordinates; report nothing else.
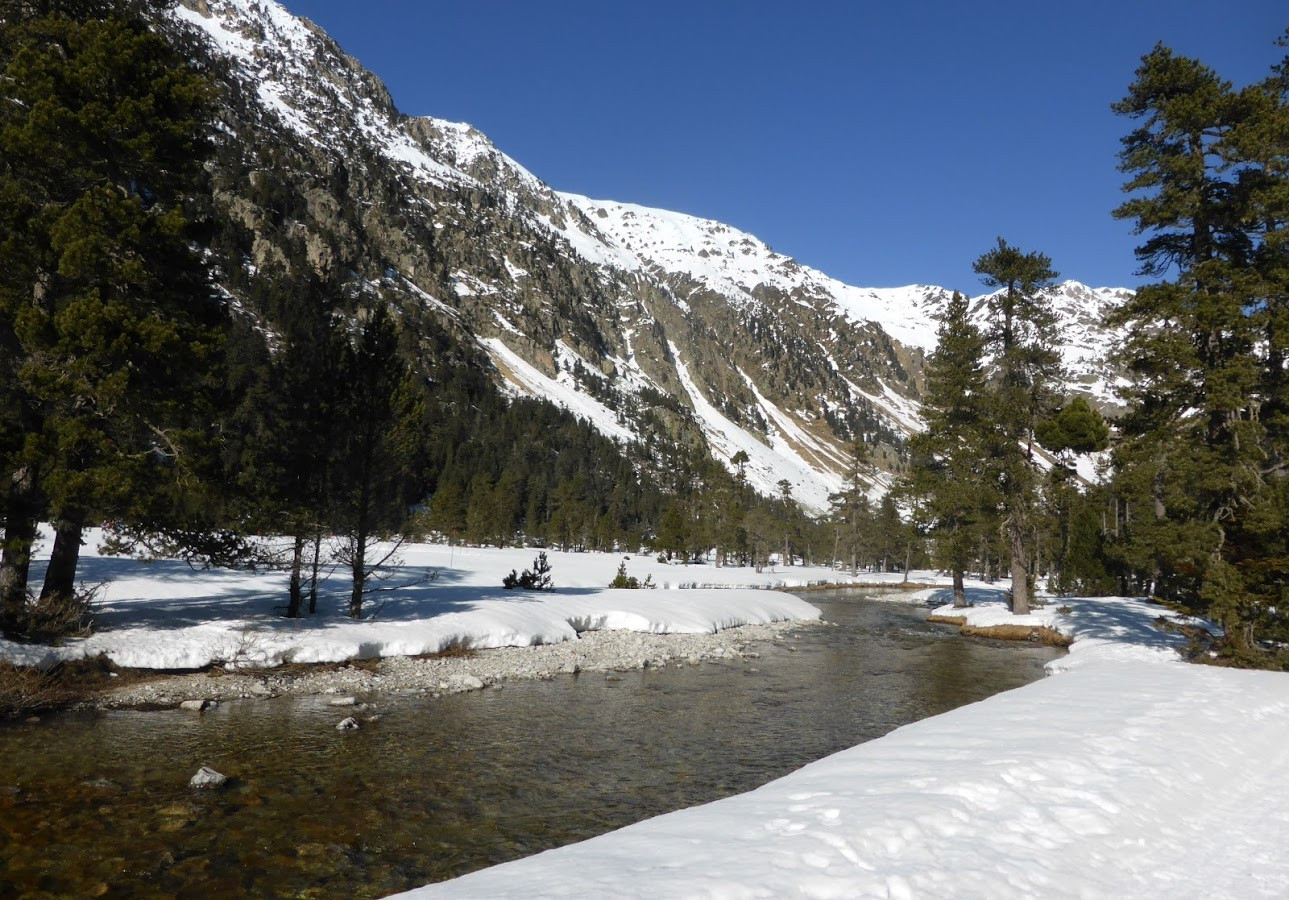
(97, 804)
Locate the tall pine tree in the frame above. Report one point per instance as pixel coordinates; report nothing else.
(1022, 339)
(949, 477)
(106, 313)
(1204, 457)
(383, 411)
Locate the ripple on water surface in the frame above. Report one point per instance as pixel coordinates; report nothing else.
(100, 804)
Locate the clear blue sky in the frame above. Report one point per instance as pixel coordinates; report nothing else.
(884, 143)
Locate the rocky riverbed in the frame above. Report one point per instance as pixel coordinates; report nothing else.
(593, 652)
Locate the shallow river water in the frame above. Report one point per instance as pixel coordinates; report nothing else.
(98, 804)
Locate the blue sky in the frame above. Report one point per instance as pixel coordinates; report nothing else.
(884, 143)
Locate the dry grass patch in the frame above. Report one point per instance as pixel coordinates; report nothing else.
(1039, 634)
(858, 586)
(25, 690)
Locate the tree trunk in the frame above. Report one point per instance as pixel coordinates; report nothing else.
(359, 569)
(1019, 568)
(313, 577)
(60, 577)
(294, 593)
(959, 590)
(1157, 500)
(15, 557)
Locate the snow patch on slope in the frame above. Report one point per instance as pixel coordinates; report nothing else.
(280, 61)
(766, 466)
(525, 380)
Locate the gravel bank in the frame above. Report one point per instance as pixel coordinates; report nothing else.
(594, 651)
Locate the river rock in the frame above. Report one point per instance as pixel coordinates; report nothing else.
(343, 701)
(102, 784)
(207, 777)
(198, 705)
(348, 724)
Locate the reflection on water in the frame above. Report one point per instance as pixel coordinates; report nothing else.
(99, 804)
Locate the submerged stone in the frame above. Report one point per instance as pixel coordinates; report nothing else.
(207, 777)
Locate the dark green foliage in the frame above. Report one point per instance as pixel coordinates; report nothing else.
(284, 444)
(382, 408)
(1077, 428)
(948, 480)
(107, 318)
(629, 582)
(538, 578)
(1026, 368)
(851, 511)
(1201, 505)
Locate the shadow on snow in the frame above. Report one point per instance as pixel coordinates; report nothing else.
(227, 595)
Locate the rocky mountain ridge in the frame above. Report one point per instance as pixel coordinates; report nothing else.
(661, 329)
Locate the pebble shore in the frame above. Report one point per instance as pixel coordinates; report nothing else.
(593, 651)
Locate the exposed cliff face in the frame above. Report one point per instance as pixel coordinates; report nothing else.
(656, 326)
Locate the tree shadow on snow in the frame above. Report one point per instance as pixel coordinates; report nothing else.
(1125, 621)
(260, 598)
(975, 595)
(1118, 619)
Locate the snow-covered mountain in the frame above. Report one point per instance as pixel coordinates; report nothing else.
(737, 264)
(659, 328)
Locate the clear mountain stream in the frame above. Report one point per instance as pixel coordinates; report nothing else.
(98, 804)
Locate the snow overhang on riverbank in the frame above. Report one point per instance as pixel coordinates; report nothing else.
(1129, 774)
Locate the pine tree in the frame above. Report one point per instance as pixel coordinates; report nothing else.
(674, 529)
(948, 477)
(383, 413)
(106, 313)
(786, 521)
(284, 440)
(1076, 429)
(1026, 367)
(1204, 458)
(850, 509)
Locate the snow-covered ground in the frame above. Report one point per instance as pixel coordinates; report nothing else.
(165, 615)
(1128, 774)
